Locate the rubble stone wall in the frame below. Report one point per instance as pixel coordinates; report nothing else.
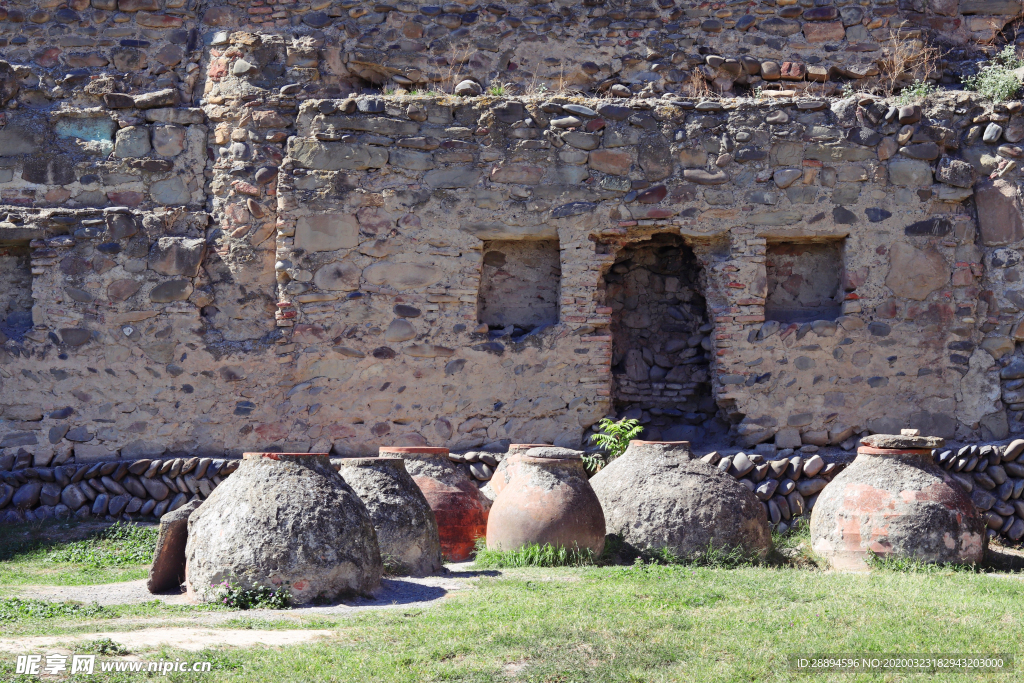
(227, 249)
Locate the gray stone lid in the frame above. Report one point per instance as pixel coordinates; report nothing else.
(554, 453)
(899, 441)
(370, 462)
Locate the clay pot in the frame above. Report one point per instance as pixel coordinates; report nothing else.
(458, 505)
(284, 520)
(506, 468)
(657, 495)
(895, 501)
(405, 525)
(548, 501)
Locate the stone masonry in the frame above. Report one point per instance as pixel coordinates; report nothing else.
(247, 226)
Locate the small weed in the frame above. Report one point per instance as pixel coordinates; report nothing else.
(793, 548)
(16, 609)
(393, 566)
(102, 646)
(996, 79)
(119, 545)
(497, 89)
(903, 564)
(904, 63)
(918, 91)
(533, 555)
(697, 85)
(799, 533)
(233, 595)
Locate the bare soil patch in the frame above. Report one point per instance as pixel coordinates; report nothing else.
(191, 639)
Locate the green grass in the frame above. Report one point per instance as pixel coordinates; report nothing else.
(44, 555)
(533, 555)
(28, 617)
(658, 620)
(18, 609)
(119, 545)
(895, 563)
(649, 622)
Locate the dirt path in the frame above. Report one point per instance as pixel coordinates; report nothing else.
(393, 592)
(195, 631)
(191, 639)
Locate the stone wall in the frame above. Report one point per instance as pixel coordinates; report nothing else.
(788, 486)
(118, 489)
(233, 247)
(618, 47)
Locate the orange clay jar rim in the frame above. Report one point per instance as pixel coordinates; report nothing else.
(277, 456)
(868, 450)
(435, 450)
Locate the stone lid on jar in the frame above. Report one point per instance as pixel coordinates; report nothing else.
(903, 441)
(371, 461)
(412, 450)
(553, 453)
(278, 456)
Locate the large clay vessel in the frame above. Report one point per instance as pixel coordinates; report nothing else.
(405, 525)
(548, 501)
(657, 495)
(892, 500)
(458, 505)
(284, 520)
(506, 468)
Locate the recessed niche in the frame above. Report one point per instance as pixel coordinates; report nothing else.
(803, 281)
(15, 289)
(519, 284)
(660, 340)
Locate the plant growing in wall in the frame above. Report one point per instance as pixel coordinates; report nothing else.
(997, 78)
(613, 438)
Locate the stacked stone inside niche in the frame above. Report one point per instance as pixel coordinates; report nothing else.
(660, 340)
(15, 290)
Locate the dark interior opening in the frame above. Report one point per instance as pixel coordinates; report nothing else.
(660, 341)
(15, 290)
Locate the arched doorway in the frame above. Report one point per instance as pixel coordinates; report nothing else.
(660, 340)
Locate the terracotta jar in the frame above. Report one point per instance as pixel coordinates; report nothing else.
(506, 468)
(283, 520)
(894, 501)
(548, 501)
(458, 505)
(405, 525)
(657, 496)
